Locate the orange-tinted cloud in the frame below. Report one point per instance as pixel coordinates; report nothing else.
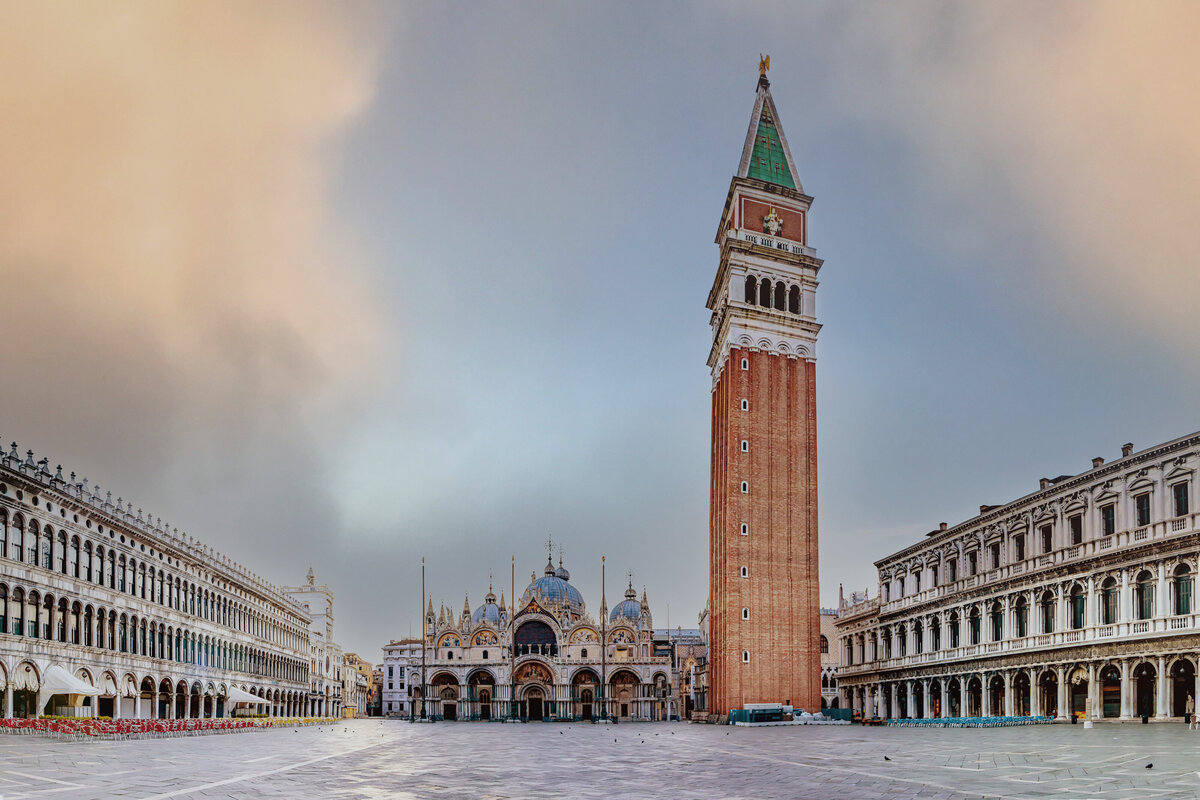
(169, 257)
(1085, 116)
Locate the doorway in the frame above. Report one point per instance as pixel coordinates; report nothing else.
(449, 711)
(535, 707)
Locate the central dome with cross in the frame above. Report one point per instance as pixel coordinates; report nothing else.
(553, 591)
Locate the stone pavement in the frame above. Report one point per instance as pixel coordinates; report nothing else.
(392, 759)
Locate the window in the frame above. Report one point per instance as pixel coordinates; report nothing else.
(582, 654)
(389, 672)
(1108, 602)
(1047, 613)
(794, 300)
(745, 656)
(1021, 618)
(917, 582)
(745, 572)
(1183, 590)
(745, 613)
(751, 289)
(745, 488)
(953, 570)
(745, 405)
(745, 446)
(1179, 497)
(997, 620)
(1047, 534)
(1108, 519)
(994, 554)
(824, 644)
(953, 628)
(1077, 608)
(1075, 521)
(1141, 508)
(1144, 595)
(972, 563)
(745, 529)
(1019, 547)
(975, 625)
(745, 363)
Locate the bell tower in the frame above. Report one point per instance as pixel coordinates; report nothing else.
(763, 579)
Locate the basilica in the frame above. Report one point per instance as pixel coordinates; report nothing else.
(546, 658)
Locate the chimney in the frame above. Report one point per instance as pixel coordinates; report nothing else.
(1127, 450)
(1098, 461)
(941, 526)
(1044, 483)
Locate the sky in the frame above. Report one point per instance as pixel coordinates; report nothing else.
(354, 285)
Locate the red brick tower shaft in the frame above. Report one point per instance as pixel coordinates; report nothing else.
(764, 600)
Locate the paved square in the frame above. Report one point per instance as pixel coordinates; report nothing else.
(389, 759)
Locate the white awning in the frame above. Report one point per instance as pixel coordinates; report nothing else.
(237, 695)
(58, 681)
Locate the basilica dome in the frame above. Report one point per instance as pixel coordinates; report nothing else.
(629, 608)
(488, 612)
(553, 590)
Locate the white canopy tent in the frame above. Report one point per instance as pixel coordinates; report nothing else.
(237, 695)
(58, 681)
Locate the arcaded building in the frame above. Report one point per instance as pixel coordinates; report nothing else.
(763, 581)
(1076, 599)
(94, 589)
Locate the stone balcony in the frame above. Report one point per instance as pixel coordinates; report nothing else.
(1158, 531)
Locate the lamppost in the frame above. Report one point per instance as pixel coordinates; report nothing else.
(423, 634)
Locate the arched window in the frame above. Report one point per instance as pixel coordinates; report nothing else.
(31, 542)
(902, 640)
(47, 560)
(918, 637)
(935, 634)
(1021, 617)
(1047, 606)
(1144, 595)
(780, 296)
(60, 553)
(1108, 602)
(824, 644)
(1078, 604)
(18, 543)
(975, 624)
(794, 300)
(764, 293)
(996, 614)
(751, 288)
(3, 534)
(1183, 590)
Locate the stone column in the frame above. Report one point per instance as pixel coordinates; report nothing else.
(1163, 710)
(37, 703)
(1035, 693)
(1008, 695)
(1126, 691)
(1063, 711)
(117, 705)
(137, 705)
(985, 697)
(8, 698)
(895, 711)
(1125, 612)
(1094, 690)
(1162, 600)
(945, 697)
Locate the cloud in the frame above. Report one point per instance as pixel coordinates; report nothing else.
(172, 269)
(1074, 127)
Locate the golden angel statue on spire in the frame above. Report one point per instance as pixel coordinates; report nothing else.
(764, 64)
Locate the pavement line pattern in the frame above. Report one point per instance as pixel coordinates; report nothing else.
(256, 775)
